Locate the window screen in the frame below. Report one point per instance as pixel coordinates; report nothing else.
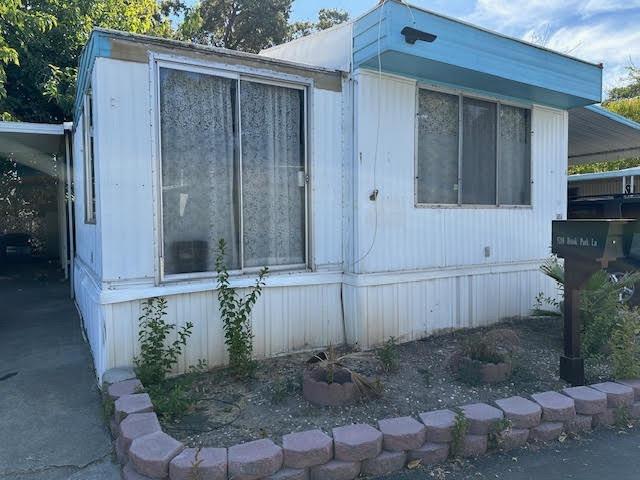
(199, 187)
(478, 152)
(89, 161)
(437, 165)
(514, 184)
(446, 175)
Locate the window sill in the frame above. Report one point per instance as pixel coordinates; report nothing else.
(472, 207)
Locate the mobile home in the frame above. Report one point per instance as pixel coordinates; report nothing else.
(398, 174)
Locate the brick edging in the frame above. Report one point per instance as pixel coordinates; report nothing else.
(146, 452)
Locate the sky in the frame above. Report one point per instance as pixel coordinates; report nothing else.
(606, 31)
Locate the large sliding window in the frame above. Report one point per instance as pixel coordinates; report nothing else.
(472, 151)
(233, 168)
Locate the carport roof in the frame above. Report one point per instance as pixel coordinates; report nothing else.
(32, 144)
(598, 135)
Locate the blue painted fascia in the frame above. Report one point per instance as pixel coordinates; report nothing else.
(613, 116)
(523, 69)
(98, 45)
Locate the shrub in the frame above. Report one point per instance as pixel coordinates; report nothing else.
(460, 428)
(157, 357)
(236, 316)
(388, 355)
(625, 350)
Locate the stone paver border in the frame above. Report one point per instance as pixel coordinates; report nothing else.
(147, 453)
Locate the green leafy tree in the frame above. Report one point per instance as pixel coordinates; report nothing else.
(248, 25)
(631, 90)
(40, 45)
(327, 18)
(627, 107)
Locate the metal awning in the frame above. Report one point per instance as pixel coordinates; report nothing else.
(36, 145)
(598, 135)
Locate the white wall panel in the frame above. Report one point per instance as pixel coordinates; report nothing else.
(325, 168)
(410, 238)
(285, 319)
(123, 134)
(86, 298)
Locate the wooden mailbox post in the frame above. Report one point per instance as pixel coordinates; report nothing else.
(586, 246)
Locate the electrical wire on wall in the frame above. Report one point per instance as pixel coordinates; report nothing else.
(374, 190)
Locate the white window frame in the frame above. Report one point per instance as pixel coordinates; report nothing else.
(461, 94)
(237, 73)
(88, 127)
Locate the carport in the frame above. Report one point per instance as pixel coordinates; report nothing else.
(598, 135)
(36, 166)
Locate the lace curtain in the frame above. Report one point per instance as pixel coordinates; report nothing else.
(515, 156)
(199, 197)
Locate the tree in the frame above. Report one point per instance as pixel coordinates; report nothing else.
(627, 91)
(327, 18)
(248, 25)
(40, 78)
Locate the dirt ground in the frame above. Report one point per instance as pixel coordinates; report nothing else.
(271, 404)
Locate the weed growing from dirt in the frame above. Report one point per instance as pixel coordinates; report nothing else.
(388, 355)
(497, 431)
(460, 428)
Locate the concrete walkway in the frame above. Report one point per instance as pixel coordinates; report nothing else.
(51, 424)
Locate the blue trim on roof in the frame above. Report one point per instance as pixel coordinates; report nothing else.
(97, 46)
(473, 58)
(613, 116)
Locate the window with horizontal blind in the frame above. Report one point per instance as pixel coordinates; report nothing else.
(471, 151)
(233, 168)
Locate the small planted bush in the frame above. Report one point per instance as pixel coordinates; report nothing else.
(487, 357)
(236, 316)
(625, 344)
(388, 355)
(157, 356)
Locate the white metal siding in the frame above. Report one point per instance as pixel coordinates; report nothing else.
(87, 301)
(87, 239)
(123, 138)
(410, 238)
(285, 319)
(605, 186)
(329, 48)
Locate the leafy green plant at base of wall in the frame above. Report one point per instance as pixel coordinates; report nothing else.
(497, 431)
(157, 357)
(236, 316)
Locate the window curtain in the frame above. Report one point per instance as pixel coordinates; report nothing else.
(515, 156)
(479, 152)
(273, 187)
(199, 198)
(438, 129)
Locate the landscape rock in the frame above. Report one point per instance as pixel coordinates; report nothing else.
(474, 445)
(555, 406)
(579, 424)
(439, 425)
(204, 463)
(634, 411)
(151, 454)
(604, 419)
(513, 438)
(335, 470)
(354, 443)
(522, 413)
(125, 387)
(588, 401)
(128, 404)
(635, 384)
(307, 449)
(481, 417)
(618, 395)
(137, 425)
(546, 431)
(254, 460)
(386, 462)
(290, 474)
(430, 453)
(403, 433)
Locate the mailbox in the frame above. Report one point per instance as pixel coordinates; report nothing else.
(586, 246)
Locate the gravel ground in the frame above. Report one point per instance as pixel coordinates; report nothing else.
(271, 404)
